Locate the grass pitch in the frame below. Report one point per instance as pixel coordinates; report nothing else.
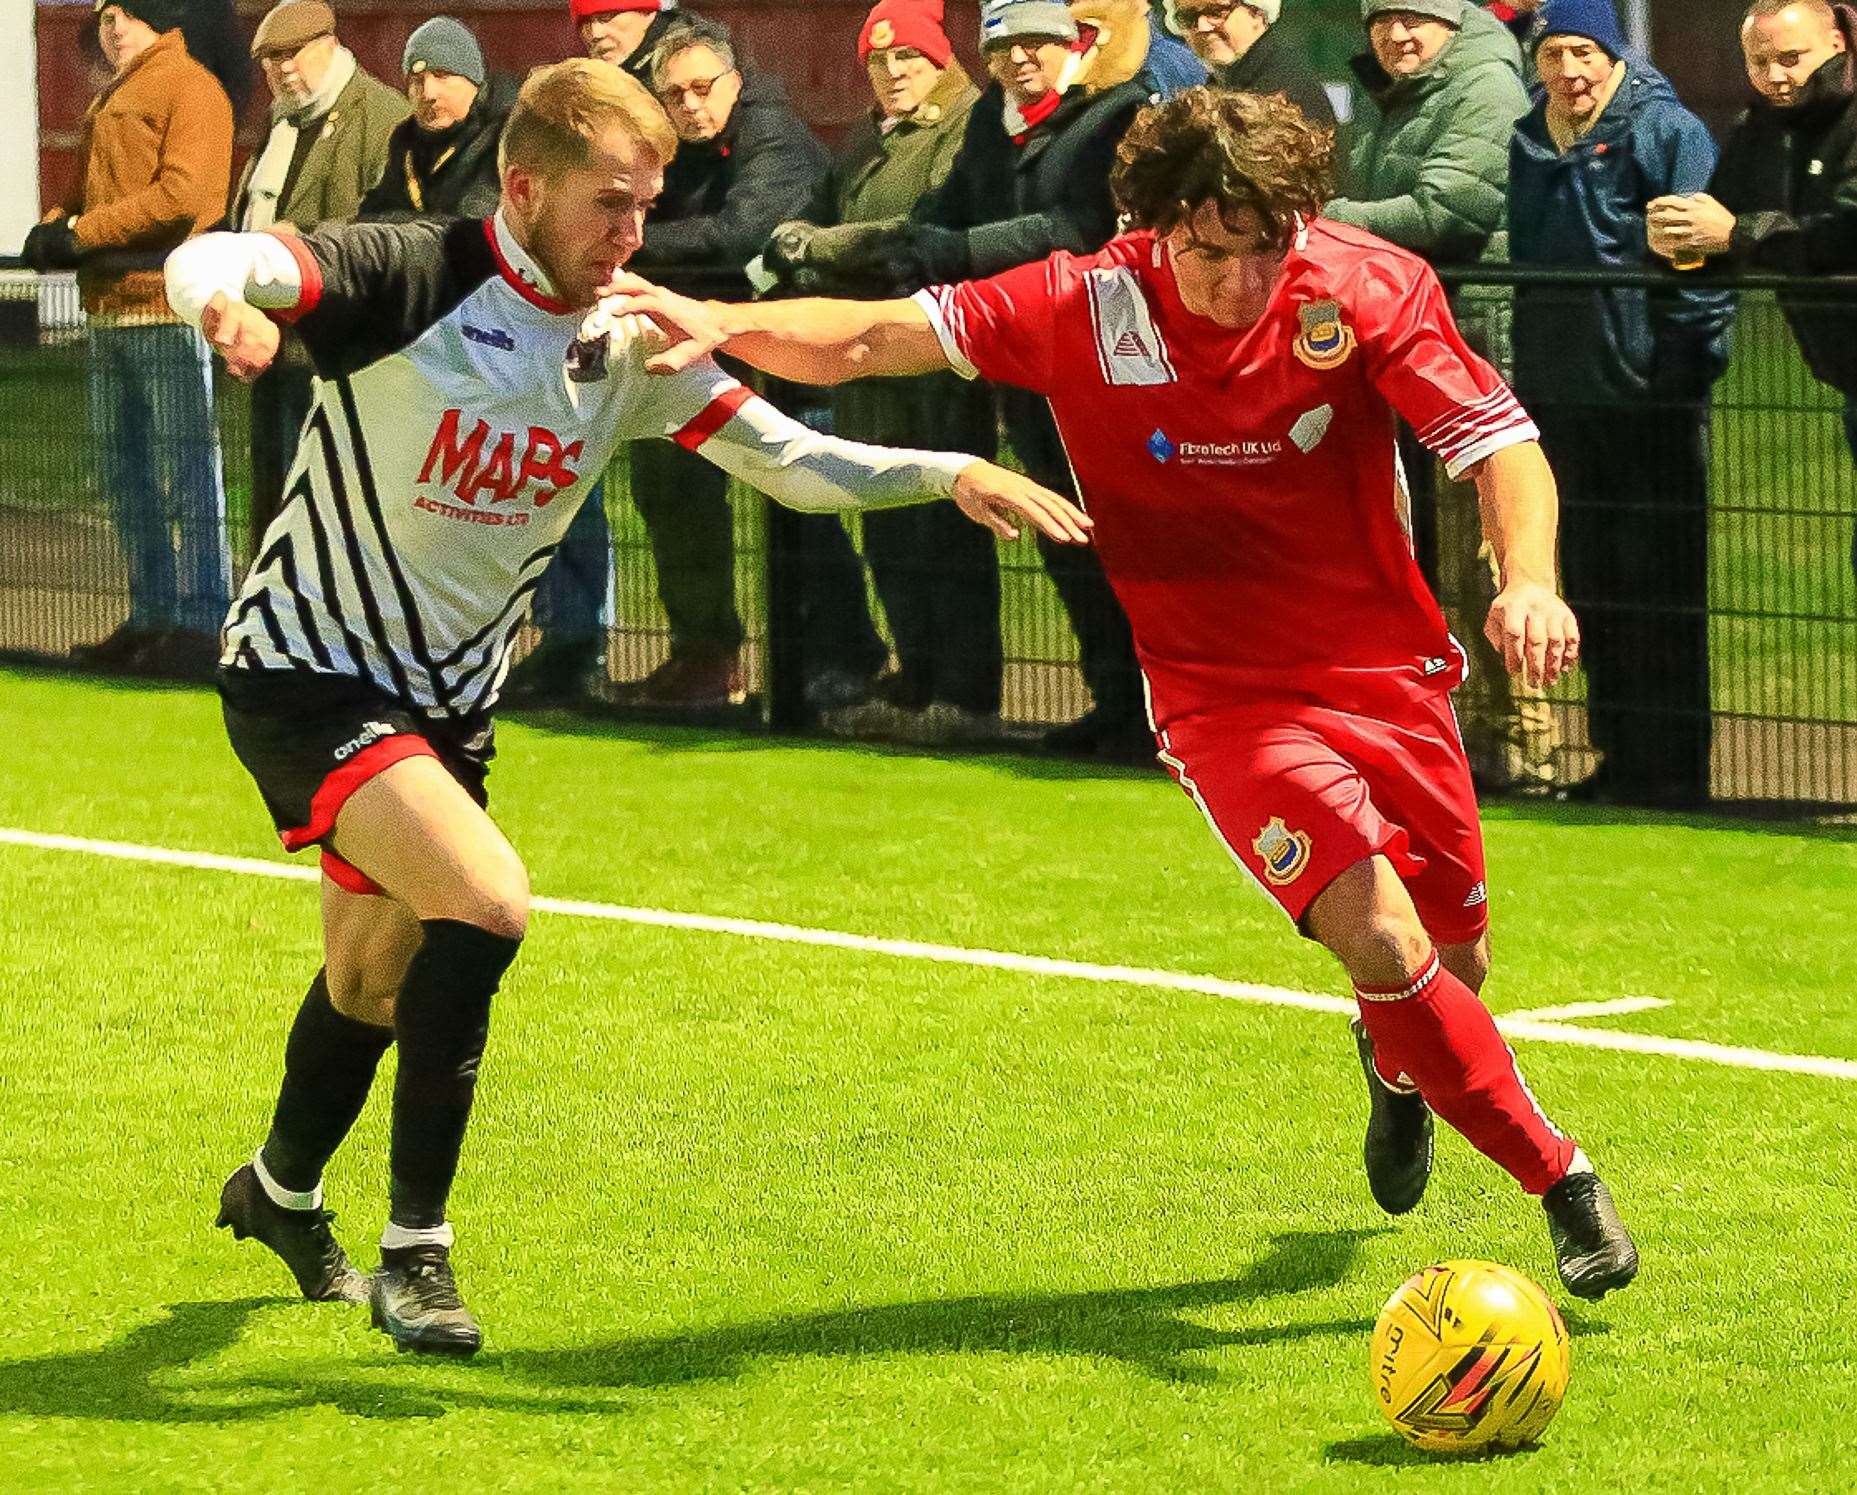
(738, 1214)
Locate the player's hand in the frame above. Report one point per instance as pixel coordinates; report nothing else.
(691, 330)
(995, 496)
(241, 334)
(1535, 632)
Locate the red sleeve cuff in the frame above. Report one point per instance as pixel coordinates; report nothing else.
(311, 273)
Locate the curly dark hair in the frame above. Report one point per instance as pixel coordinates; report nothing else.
(1235, 150)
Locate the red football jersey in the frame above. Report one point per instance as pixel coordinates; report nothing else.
(1244, 482)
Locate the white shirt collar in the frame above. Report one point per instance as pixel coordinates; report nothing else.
(519, 259)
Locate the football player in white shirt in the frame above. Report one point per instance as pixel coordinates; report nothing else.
(470, 391)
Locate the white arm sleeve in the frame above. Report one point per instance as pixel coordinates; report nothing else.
(255, 268)
(804, 469)
(705, 410)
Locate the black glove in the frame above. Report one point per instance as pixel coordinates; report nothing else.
(787, 247)
(52, 246)
(906, 258)
(941, 254)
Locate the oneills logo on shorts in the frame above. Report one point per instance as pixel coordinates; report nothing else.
(1284, 852)
(1327, 342)
(371, 733)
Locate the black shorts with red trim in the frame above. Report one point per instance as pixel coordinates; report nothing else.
(309, 741)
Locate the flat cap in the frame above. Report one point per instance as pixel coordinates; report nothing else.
(293, 24)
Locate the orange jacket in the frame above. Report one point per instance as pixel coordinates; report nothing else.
(157, 153)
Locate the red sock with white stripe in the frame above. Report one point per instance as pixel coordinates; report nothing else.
(1437, 1034)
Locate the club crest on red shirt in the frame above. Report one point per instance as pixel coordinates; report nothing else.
(1326, 342)
(1284, 852)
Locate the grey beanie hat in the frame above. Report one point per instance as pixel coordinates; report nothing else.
(443, 45)
(1007, 20)
(1451, 12)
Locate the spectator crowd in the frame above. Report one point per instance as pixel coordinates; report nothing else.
(1530, 132)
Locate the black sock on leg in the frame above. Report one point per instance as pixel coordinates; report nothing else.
(329, 1064)
(441, 1023)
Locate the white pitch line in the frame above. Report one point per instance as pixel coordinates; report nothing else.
(1519, 1026)
(1617, 1007)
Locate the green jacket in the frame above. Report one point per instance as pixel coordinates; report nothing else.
(1432, 172)
(876, 180)
(346, 159)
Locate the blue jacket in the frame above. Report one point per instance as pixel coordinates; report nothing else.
(1587, 208)
(1171, 63)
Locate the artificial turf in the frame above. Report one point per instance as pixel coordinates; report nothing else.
(739, 1214)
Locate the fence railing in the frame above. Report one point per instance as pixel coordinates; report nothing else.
(1715, 580)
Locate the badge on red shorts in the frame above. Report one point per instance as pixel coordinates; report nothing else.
(1284, 852)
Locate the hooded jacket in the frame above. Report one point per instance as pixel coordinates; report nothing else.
(723, 197)
(1790, 178)
(1587, 208)
(445, 173)
(1274, 65)
(639, 63)
(1432, 172)
(157, 161)
(1019, 200)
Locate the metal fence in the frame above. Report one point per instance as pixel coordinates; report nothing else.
(1729, 645)
(1706, 542)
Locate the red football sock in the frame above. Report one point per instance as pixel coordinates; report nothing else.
(1438, 1033)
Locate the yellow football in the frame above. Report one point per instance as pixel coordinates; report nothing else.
(1469, 1355)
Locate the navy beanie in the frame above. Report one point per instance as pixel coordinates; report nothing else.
(1594, 19)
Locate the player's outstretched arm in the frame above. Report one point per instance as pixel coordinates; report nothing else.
(809, 341)
(805, 469)
(1535, 630)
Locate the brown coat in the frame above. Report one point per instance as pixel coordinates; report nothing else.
(157, 154)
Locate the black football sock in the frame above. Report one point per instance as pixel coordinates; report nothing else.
(441, 1023)
(329, 1064)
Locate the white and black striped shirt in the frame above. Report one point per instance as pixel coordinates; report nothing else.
(447, 449)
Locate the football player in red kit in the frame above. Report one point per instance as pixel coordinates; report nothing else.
(1226, 378)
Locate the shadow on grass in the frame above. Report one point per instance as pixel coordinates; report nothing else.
(729, 731)
(129, 1380)
(1389, 1451)
(135, 1379)
(1140, 1327)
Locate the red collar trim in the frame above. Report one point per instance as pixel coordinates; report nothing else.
(522, 287)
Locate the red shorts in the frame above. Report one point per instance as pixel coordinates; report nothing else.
(1299, 793)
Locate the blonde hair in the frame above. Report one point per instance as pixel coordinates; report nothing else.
(565, 105)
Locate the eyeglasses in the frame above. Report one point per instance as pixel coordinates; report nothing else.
(1192, 17)
(884, 56)
(697, 89)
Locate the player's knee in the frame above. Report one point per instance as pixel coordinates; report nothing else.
(1387, 948)
(497, 900)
